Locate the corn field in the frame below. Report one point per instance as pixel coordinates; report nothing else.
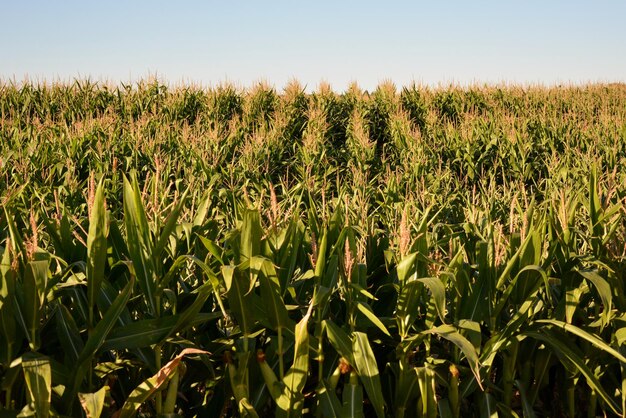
(216, 252)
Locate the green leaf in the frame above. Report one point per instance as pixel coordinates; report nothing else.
(16, 239)
(93, 403)
(438, 293)
(140, 243)
(487, 406)
(477, 305)
(150, 386)
(7, 297)
(297, 374)
(451, 334)
(291, 400)
(339, 340)
(565, 353)
(595, 207)
(407, 306)
(147, 332)
(251, 233)
(34, 287)
(367, 369)
(593, 339)
(405, 268)
(246, 409)
(328, 401)
(96, 249)
(191, 316)
(604, 290)
(170, 225)
(524, 290)
(426, 379)
(352, 397)
(362, 291)
(365, 309)
(620, 336)
(212, 248)
(527, 407)
(270, 293)
(95, 341)
(320, 267)
(173, 272)
(68, 333)
(407, 387)
(239, 299)
(38, 376)
(203, 208)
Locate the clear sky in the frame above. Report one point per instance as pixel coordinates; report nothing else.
(207, 42)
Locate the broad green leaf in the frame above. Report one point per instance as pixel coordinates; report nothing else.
(320, 266)
(93, 403)
(328, 401)
(477, 305)
(604, 290)
(239, 299)
(438, 293)
(147, 332)
(487, 406)
(367, 369)
(7, 297)
(339, 340)
(212, 248)
(471, 330)
(407, 306)
(362, 291)
(251, 233)
(523, 291)
(191, 316)
(246, 409)
(452, 334)
(352, 397)
(595, 207)
(16, 238)
(140, 243)
(406, 389)
(270, 293)
(365, 309)
(593, 339)
(68, 333)
(203, 208)
(405, 268)
(170, 225)
(426, 380)
(565, 353)
(513, 262)
(291, 400)
(95, 341)
(34, 287)
(96, 249)
(38, 376)
(150, 386)
(173, 272)
(527, 407)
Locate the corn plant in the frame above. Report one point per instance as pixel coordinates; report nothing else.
(218, 252)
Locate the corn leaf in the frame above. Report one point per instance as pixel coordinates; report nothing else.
(38, 376)
(367, 369)
(93, 403)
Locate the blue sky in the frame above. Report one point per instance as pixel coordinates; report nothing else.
(208, 42)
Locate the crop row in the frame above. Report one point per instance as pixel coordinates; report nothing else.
(216, 252)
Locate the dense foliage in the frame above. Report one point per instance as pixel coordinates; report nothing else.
(216, 252)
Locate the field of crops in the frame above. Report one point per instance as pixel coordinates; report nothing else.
(409, 252)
